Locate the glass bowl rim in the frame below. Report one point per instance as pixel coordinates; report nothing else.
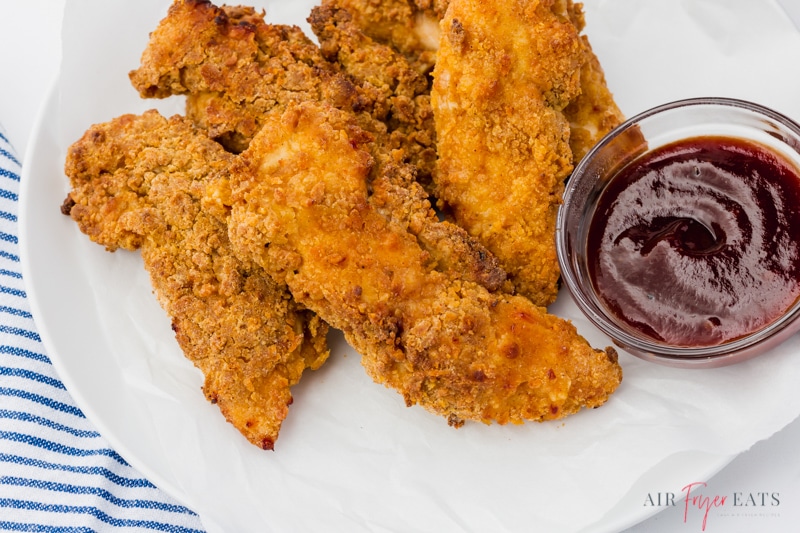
(639, 345)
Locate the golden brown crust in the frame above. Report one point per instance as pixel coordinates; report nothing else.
(344, 221)
(590, 111)
(232, 105)
(594, 113)
(591, 115)
(435, 8)
(396, 195)
(151, 183)
(504, 73)
(233, 68)
(408, 27)
(402, 94)
(450, 345)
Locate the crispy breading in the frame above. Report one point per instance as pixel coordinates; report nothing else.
(233, 68)
(427, 306)
(206, 73)
(592, 114)
(342, 42)
(301, 209)
(409, 27)
(145, 182)
(435, 8)
(505, 71)
(403, 93)
(395, 193)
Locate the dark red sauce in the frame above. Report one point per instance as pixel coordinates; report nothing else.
(698, 242)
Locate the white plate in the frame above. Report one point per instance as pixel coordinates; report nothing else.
(351, 456)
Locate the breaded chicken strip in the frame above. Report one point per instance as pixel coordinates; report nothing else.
(396, 195)
(505, 71)
(245, 70)
(233, 68)
(141, 182)
(301, 209)
(593, 113)
(413, 27)
(403, 93)
(409, 27)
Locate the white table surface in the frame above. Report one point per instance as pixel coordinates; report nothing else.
(764, 481)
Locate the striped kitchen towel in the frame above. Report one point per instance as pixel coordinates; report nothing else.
(56, 472)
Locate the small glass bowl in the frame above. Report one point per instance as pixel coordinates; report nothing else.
(641, 134)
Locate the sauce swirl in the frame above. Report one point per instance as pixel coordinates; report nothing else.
(697, 242)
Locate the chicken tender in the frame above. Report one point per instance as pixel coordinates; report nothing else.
(301, 209)
(249, 69)
(401, 92)
(411, 28)
(233, 68)
(588, 108)
(143, 182)
(593, 113)
(504, 73)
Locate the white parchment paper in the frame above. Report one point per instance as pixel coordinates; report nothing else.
(351, 457)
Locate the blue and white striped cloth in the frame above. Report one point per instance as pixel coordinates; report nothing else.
(56, 472)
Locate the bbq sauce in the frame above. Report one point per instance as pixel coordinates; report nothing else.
(697, 242)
